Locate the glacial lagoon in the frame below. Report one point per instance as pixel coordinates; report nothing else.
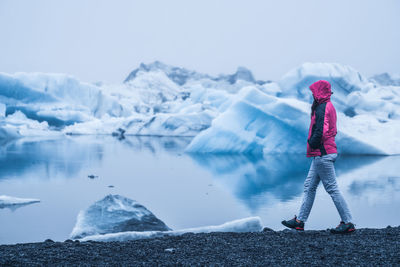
(184, 190)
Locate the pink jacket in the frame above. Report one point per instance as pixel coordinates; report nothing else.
(322, 132)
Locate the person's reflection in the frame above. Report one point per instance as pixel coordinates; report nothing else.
(257, 179)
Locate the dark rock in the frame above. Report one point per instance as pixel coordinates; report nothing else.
(119, 133)
(266, 229)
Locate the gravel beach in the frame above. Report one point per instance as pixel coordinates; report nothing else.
(365, 247)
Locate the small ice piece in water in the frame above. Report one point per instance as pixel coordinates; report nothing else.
(14, 203)
(113, 214)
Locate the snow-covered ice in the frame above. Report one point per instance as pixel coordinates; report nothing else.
(115, 213)
(260, 123)
(14, 202)
(226, 113)
(251, 224)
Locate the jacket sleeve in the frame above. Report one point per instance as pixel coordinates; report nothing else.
(316, 136)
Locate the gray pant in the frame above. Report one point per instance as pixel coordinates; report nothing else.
(322, 169)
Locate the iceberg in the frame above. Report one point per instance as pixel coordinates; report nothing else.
(115, 213)
(353, 93)
(159, 106)
(258, 123)
(58, 99)
(275, 117)
(344, 80)
(39, 104)
(232, 113)
(14, 203)
(252, 224)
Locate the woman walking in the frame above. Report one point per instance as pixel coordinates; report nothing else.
(321, 147)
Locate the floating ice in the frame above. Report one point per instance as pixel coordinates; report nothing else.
(56, 98)
(115, 213)
(246, 115)
(14, 202)
(258, 123)
(252, 224)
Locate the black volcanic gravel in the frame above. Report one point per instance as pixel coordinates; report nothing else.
(365, 247)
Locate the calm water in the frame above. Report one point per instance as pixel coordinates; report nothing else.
(182, 190)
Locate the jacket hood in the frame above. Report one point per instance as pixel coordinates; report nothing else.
(321, 91)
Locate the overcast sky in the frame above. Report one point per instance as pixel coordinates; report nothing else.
(104, 40)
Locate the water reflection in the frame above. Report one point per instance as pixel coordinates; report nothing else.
(256, 180)
(69, 155)
(383, 184)
(157, 144)
(13, 207)
(346, 163)
(64, 155)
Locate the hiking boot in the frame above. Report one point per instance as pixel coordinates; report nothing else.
(294, 224)
(343, 228)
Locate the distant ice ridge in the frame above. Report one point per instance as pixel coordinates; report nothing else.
(115, 213)
(251, 224)
(157, 99)
(386, 79)
(14, 202)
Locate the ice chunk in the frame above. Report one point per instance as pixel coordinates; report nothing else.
(115, 213)
(252, 224)
(259, 123)
(20, 125)
(14, 202)
(353, 93)
(343, 79)
(54, 98)
(255, 123)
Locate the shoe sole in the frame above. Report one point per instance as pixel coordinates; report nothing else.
(343, 233)
(293, 227)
